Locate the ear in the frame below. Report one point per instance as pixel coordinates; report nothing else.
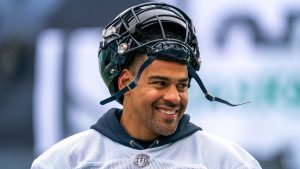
(124, 78)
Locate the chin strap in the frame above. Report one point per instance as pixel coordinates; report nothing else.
(208, 96)
(132, 84)
(191, 71)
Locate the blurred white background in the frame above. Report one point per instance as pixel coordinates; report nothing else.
(250, 52)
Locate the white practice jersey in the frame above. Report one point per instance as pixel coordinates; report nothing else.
(92, 150)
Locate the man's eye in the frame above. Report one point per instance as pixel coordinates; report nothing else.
(182, 86)
(160, 83)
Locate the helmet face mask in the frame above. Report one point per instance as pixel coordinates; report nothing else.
(130, 33)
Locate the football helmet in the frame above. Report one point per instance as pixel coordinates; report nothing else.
(124, 36)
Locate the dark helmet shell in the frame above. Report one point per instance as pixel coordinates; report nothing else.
(121, 38)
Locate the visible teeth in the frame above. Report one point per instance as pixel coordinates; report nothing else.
(167, 112)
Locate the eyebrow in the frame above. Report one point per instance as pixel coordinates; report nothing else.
(157, 77)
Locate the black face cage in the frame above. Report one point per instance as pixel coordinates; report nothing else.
(124, 29)
(120, 39)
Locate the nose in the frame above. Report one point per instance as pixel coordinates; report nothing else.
(172, 95)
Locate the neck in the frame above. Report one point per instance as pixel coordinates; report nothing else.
(136, 130)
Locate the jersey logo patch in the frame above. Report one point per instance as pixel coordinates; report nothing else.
(141, 160)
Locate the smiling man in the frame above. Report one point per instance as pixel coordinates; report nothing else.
(147, 58)
(158, 102)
